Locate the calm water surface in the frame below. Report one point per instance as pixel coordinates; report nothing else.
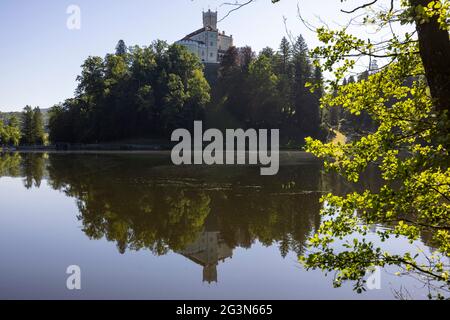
(140, 228)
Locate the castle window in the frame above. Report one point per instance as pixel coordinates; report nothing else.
(211, 54)
(212, 43)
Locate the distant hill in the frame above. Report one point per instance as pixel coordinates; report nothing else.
(5, 116)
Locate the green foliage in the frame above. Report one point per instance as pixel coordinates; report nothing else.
(306, 104)
(285, 54)
(32, 127)
(10, 164)
(27, 127)
(268, 91)
(137, 92)
(10, 134)
(410, 146)
(149, 92)
(264, 109)
(38, 127)
(121, 48)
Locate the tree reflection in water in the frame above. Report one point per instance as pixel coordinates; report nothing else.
(140, 201)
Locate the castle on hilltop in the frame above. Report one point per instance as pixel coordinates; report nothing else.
(208, 43)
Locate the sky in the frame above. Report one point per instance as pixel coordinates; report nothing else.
(40, 57)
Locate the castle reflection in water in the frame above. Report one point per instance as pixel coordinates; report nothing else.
(208, 251)
(142, 202)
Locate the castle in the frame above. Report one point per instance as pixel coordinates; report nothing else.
(208, 43)
(208, 250)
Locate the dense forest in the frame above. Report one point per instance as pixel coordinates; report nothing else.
(10, 132)
(269, 90)
(147, 92)
(136, 92)
(26, 128)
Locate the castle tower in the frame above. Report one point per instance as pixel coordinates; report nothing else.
(210, 273)
(208, 43)
(210, 19)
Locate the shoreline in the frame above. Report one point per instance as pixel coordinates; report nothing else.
(165, 151)
(284, 154)
(106, 148)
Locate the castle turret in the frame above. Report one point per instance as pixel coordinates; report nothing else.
(210, 19)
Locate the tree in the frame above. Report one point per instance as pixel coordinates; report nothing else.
(257, 91)
(229, 73)
(32, 127)
(409, 98)
(264, 110)
(28, 136)
(58, 124)
(307, 106)
(3, 135)
(12, 132)
(285, 55)
(228, 104)
(268, 52)
(230, 63)
(138, 93)
(13, 121)
(431, 22)
(121, 48)
(246, 56)
(317, 95)
(38, 127)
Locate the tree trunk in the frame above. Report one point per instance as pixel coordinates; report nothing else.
(434, 48)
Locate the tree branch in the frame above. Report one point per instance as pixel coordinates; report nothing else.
(360, 7)
(238, 6)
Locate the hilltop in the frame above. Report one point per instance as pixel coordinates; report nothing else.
(5, 116)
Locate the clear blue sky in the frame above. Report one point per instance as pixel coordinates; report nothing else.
(40, 57)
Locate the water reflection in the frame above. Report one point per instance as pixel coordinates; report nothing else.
(208, 250)
(140, 202)
(30, 166)
(10, 164)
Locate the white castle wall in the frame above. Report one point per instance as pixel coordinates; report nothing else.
(209, 45)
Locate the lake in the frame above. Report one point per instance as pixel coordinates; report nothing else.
(141, 228)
